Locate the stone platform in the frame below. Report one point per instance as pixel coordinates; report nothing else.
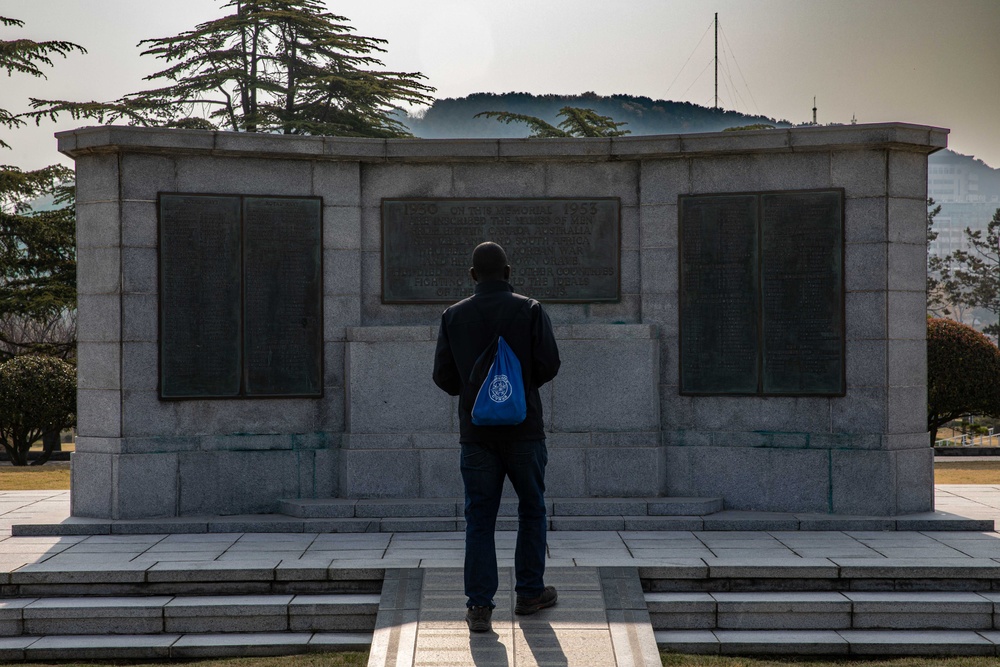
(623, 594)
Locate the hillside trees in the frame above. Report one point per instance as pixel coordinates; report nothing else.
(285, 66)
(576, 122)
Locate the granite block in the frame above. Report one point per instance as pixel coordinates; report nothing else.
(326, 472)
(907, 312)
(139, 270)
(606, 385)
(865, 220)
(862, 173)
(788, 642)
(565, 473)
(440, 476)
(758, 479)
(99, 270)
(627, 472)
(866, 315)
(140, 316)
(907, 220)
(599, 506)
(862, 410)
(101, 647)
(99, 413)
(340, 312)
(139, 226)
(908, 266)
(379, 403)
(99, 365)
(341, 272)
(379, 474)
(906, 409)
(865, 266)
(648, 147)
(863, 482)
(662, 181)
(140, 366)
(594, 148)
(216, 482)
(500, 180)
(630, 228)
(342, 227)
(907, 363)
(144, 414)
(239, 644)
(658, 226)
(144, 176)
(99, 318)
(700, 642)
(401, 181)
(907, 174)
(338, 183)
(607, 179)
(659, 270)
(371, 228)
(97, 178)
(220, 175)
(146, 486)
(922, 642)
(915, 479)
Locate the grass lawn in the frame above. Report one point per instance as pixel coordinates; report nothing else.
(957, 471)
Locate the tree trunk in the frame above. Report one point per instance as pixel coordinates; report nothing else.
(933, 435)
(50, 443)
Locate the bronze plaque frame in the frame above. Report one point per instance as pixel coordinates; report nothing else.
(297, 250)
(822, 367)
(551, 245)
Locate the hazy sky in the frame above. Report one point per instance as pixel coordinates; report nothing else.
(935, 62)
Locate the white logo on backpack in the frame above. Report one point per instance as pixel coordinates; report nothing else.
(500, 389)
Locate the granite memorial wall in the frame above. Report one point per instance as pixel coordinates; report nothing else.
(739, 314)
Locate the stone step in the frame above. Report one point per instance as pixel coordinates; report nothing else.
(830, 642)
(150, 615)
(454, 508)
(559, 520)
(824, 610)
(177, 646)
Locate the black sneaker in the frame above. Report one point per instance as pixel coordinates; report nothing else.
(527, 606)
(478, 619)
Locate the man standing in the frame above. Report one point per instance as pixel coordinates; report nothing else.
(490, 453)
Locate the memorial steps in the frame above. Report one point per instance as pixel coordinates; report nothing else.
(408, 615)
(344, 515)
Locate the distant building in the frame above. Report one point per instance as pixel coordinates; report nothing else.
(968, 191)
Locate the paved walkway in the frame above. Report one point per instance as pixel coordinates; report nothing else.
(565, 548)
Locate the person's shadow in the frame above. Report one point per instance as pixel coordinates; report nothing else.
(544, 645)
(487, 650)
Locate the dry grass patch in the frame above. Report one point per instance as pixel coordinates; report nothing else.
(345, 659)
(676, 660)
(53, 476)
(957, 471)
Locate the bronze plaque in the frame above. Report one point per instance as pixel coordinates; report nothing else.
(761, 294)
(802, 293)
(719, 302)
(560, 250)
(199, 296)
(283, 284)
(241, 289)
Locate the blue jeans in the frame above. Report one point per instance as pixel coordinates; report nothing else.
(484, 467)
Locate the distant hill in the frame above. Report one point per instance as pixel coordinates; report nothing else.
(454, 118)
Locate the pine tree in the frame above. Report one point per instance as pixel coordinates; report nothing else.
(975, 273)
(285, 66)
(37, 248)
(576, 122)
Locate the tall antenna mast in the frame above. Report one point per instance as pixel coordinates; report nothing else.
(814, 110)
(716, 60)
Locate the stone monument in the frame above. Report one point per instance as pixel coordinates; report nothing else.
(739, 314)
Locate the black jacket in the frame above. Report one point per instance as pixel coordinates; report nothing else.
(468, 327)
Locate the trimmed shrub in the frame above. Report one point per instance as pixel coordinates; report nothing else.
(37, 394)
(963, 373)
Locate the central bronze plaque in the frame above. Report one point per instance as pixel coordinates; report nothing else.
(560, 250)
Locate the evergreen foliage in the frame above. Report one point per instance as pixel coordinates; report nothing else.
(37, 395)
(575, 122)
(285, 66)
(37, 248)
(972, 277)
(963, 373)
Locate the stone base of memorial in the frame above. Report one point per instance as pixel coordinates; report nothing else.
(740, 315)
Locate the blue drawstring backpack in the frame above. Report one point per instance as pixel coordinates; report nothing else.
(500, 401)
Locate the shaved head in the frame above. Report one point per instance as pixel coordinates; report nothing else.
(489, 262)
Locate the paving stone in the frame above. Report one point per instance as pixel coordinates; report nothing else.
(84, 573)
(12, 648)
(540, 646)
(101, 647)
(687, 641)
(340, 641)
(775, 568)
(795, 642)
(916, 642)
(895, 568)
(632, 638)
(240, 644)
(184, 571)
